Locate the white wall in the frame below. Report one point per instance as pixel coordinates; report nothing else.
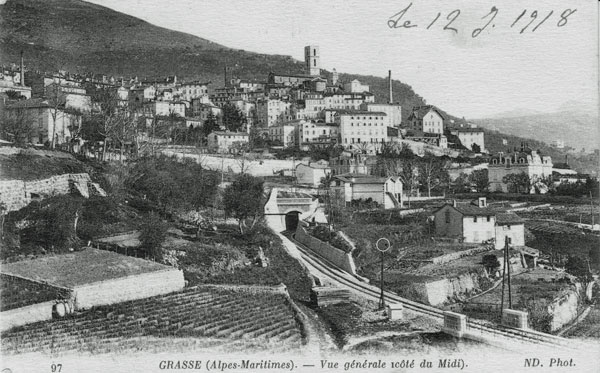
(128, 288)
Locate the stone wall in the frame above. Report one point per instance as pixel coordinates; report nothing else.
(459, 254)
(334, 255)
(563, 310)
(439, 291)
(16, 194)
(26, 315)
(128, 288)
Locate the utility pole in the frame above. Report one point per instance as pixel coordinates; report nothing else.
(592, 208)
(506, 272)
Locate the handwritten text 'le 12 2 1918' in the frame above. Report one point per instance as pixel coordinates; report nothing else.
(523, 21)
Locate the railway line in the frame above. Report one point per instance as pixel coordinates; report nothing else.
(476, 329)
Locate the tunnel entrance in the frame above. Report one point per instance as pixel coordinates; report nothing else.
(291, 220)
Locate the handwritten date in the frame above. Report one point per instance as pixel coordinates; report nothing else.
(525, 20)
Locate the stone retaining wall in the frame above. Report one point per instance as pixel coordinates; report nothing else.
(16, 194)
(459, 254)
(336, 256)
(563, 310)
(26, 315)
(128, 288)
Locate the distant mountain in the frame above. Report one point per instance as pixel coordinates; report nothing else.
(515, 113)
(577, 126)
(81, 37)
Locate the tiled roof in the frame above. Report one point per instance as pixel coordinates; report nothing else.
(470, 210)
(467, 129)
(509, 218)
(421, 111)
(360, 112)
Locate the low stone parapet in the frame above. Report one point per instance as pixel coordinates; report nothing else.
(515, 319)
(455, 324)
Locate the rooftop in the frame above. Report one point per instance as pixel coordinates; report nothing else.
(288, 194)
(80, 268)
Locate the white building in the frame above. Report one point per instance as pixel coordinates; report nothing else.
(164, 108)
(40, 113)
(393, 112)
(477, 223)
(227, 142)
(311, 133)
(284, 133)
(362, 130)
(271, 112)
(470, 136)
(312, 173)
(355, 87)
(428, 119)
(525, 161)
(191, 90)
(139, 95)
(387, 192)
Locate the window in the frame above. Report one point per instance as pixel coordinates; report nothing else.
(475, 219)
(447, 216)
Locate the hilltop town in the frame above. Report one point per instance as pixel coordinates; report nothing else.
(129, 204)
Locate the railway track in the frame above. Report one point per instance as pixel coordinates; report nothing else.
(476, 329)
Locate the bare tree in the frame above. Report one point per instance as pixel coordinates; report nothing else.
(432, 172)
(56, 101)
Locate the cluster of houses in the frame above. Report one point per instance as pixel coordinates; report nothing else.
(301, 110)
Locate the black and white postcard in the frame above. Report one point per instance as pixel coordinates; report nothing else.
(299, 186)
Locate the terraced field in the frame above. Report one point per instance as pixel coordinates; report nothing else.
(196, 318)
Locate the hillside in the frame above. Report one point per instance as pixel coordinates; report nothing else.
(578, 129)
(81, 37)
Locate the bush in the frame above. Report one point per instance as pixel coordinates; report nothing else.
(153, 233)
(50, 224)
(323, 233)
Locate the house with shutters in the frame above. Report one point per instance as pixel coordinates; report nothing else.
(476, 222)
(386, 191)
(426, 118)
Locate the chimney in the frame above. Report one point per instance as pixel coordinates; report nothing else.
(482, 202)
(22, 71)
(453, 203)
(390, 84)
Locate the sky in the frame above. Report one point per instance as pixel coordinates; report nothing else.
(499, 70)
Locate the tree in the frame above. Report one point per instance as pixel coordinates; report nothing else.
(56, 101)
(233, 118)
(409, 177)
(517, 183)
(491, 263)
(579, 268)
(475, 148)
(16, 125)
(326, 184)
(480, 179)
(210, 124)
(153, 233)
(243, 200)
(432, 172)
(462, 183)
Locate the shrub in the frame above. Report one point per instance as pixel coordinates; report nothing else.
(153, 233)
